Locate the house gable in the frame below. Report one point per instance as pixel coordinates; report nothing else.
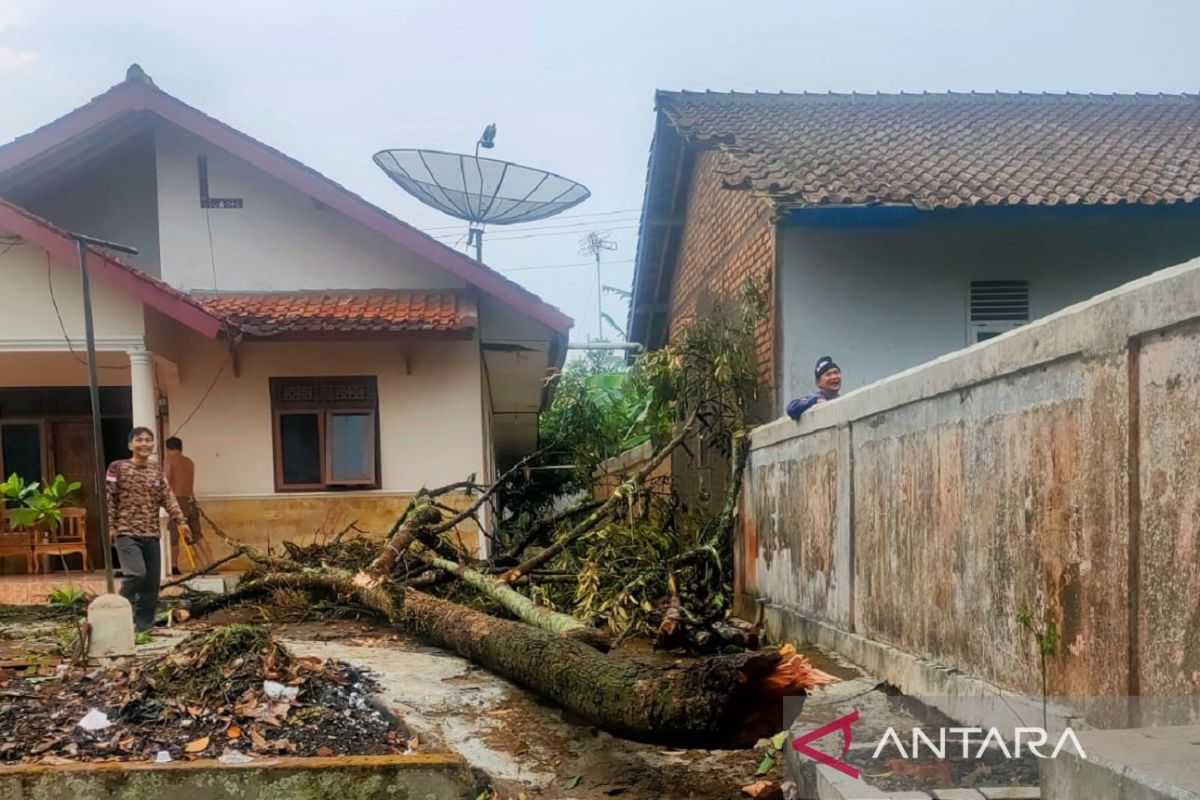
(137, 95)
(277, 238)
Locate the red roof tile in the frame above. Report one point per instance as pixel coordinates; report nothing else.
(951, 150)
(381, 312)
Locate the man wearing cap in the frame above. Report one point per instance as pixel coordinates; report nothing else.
(829, 383)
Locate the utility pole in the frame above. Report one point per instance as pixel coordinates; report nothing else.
(594, 244)
(93, 388)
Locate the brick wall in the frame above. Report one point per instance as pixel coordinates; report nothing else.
(729, 236)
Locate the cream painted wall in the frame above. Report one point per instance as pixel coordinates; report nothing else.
(114, 200)
(27, 313)
(431, 428)
(280, 240)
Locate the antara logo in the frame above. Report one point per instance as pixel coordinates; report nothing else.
(1031, 738)
(800, 744)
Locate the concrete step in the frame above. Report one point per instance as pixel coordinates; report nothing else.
(1134, 764)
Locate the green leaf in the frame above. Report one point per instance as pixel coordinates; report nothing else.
(765, 765)
(143, 638)
(779, 739)
(571, 783)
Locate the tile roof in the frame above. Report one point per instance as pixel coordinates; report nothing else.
(334, 312)
(950, 150)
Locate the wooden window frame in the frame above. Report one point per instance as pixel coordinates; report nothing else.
(323, 409)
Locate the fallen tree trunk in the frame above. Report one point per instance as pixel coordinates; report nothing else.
(519, 605)
(719, 701)
(331, 582)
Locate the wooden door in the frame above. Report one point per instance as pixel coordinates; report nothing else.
(75, 460)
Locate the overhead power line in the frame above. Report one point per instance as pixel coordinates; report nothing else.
(560, 216)
(554, 233)
(574, 226)
(564, 266)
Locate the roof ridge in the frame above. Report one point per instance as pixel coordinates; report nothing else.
(210, 293)
(717, 96)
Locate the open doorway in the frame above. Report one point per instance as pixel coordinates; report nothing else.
(48, 431)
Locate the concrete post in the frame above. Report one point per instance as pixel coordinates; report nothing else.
(142, 389)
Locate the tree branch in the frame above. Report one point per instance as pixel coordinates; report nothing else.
(600, 513)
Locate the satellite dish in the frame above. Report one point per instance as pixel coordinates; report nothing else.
(480, 190)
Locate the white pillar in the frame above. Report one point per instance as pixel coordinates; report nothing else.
(141, 387)
(145, 415)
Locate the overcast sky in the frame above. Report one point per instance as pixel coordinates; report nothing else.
(569, 83)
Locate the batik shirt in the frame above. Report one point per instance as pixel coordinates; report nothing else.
(135, 493)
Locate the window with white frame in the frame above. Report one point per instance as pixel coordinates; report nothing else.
(996, 306)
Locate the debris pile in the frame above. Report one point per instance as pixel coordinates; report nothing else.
(232, 693)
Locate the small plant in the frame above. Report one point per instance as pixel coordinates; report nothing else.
(15, 489)
(37, 505)
(1047, 638)
(67, 597)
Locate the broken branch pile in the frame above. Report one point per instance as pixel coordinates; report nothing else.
(231, 689)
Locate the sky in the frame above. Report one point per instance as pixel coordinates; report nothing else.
(569, 83)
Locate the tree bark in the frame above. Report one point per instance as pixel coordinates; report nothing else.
(720, 701)
(521, 606)
(336, 582)
(399, 541)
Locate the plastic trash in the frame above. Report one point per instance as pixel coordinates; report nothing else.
(277, 691)
(95, 720)
(235, 757)
(163, 757)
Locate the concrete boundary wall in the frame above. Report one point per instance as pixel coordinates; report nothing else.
(1054, 469)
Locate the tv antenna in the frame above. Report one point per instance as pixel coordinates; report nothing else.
(482, 191)
(594, 244)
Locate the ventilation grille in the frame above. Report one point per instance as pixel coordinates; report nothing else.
(1000, 301)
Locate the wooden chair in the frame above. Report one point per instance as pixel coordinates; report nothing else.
(71, 537)
(16, 543)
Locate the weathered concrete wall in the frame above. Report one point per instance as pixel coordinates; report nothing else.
(1053, 469)
(408, 777)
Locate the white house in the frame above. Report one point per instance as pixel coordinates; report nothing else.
(320, 359)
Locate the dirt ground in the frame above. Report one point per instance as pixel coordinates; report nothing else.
(518, 746)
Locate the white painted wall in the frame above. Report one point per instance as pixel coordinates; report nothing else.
(280, 240)
(430, 421)
(114, 200)
(881, 300)
(27, 315)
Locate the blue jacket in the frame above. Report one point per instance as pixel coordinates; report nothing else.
(802, 404)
